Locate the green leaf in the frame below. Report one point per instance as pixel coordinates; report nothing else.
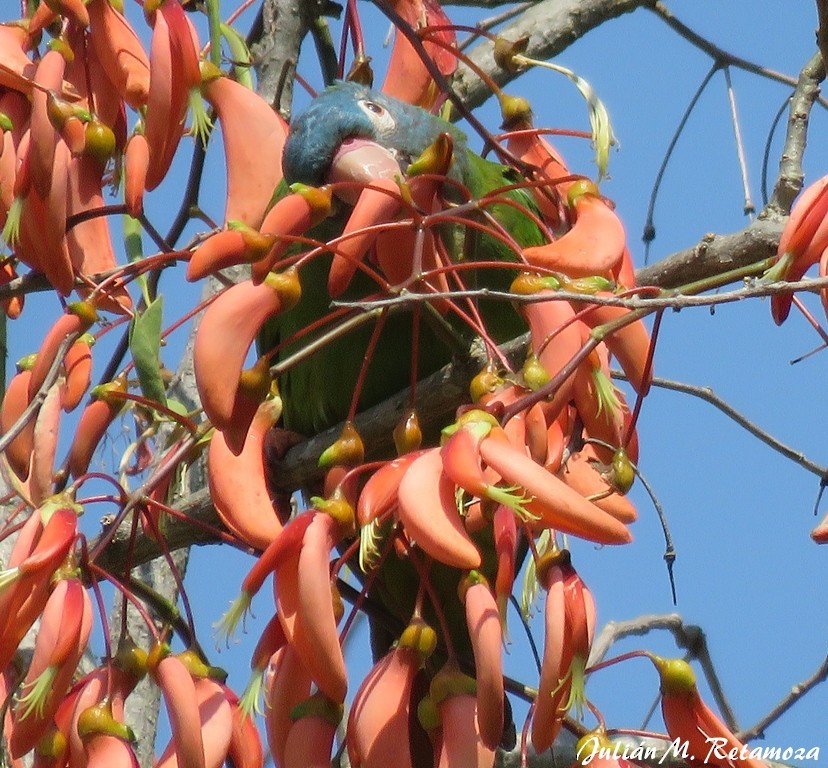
(239, 55)
(176, 406)
(145, 345)
(134, 250)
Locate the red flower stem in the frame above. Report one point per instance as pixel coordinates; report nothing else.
(524, 736)
(546, 132)
(151, 405)
(366, 364)
(116, 323)
(233, 16)
(168, 464)
(422, 570)
(428, 33)
(8, 528)
(101, 573)
(218, 533)
(648, 367)
(552, 386)
(355, 29)
(122, 493)
(99, 601)
(814, 323)
(616, 659)
(179, 583)
(133, 538)
(369, 466)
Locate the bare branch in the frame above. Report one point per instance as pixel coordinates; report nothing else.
(795, 694)
(716, 253)
(790, 164)
(722, 57)
(649, 225)
(749, 207)
(551, 26)
(278, 38)
(687, 636)
(677, 300)
(709, 396)
(760, 239)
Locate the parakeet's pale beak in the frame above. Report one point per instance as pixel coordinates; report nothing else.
(357, 164)
(360, 162)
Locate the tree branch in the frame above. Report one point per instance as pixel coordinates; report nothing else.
(716, 253)
(790, 163)
(794, 695)
(722, 57)
(551, 26)
(687, 636)
(275, 42)
(709, 396)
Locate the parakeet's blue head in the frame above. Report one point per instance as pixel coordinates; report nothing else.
(352, 111)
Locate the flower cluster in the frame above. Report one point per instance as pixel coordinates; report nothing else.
(538, 456)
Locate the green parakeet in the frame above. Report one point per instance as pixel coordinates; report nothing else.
(352, 132)
(338, 137)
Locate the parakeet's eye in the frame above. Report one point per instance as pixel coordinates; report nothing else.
(378, 115)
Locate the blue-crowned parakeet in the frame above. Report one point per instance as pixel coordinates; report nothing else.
(352, 132)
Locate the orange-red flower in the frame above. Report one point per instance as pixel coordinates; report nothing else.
(709, 741)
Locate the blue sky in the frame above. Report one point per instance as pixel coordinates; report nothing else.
(740, 515)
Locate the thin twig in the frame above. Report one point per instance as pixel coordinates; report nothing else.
(749, 207)
(669, 547)
(796, 693)
(719, 55)
(688, 636)
(40, 396)
(533, 646)
(777, 118)
(649, 228)
(709, 396)
(484, 25)
(670, 300)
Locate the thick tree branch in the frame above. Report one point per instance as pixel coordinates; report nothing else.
(551, 26)
(790, 163)
(716, 253)
(276, 39)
